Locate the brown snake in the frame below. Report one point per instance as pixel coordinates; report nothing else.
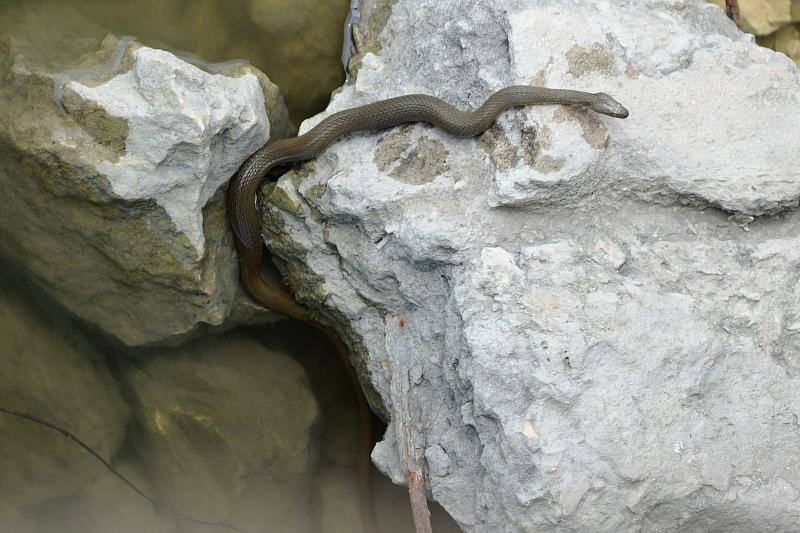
(244, 219)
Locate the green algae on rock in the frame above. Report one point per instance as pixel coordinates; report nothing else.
(114, 206)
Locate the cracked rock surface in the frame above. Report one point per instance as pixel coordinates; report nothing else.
(602, 315)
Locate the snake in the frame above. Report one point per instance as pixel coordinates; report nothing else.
(244, 218)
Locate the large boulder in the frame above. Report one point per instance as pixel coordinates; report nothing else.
(600, 316)
(112, 178)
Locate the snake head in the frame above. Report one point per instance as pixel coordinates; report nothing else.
(606, 105)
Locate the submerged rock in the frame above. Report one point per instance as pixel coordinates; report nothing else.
(219, 430)
(224, 433)
(114, 206)
(601, 315)
(62, 379)
(302, 39)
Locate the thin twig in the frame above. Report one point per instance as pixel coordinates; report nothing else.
(418, 494)
(158, 504)
(732, 10)
(406, 415)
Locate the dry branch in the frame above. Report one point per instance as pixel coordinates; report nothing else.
(406, 417)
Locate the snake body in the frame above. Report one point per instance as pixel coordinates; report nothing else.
(243, 214)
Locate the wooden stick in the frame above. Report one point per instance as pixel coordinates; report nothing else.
(406, 411)
(418, 494)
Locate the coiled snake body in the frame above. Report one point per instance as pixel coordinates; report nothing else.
(243, 214)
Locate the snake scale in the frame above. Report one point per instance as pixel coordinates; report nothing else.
(244, 219)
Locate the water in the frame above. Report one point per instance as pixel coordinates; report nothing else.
(254, 427)
(298, 43)
(225, 428)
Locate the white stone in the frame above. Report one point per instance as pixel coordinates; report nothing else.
(188, 132)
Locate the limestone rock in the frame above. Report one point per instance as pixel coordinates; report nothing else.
(114, 207)
(224, 432)
(61, 378)
(603, 314)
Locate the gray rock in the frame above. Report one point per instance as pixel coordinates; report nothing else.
(603, 314)
(224, 432)
(182, 133)
(113, 207)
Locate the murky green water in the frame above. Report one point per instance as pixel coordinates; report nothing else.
(297, 43)
(225, 428)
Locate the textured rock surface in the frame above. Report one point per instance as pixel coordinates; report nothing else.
(114, 207)
(603, 313)
(226, 432)
(172, 127)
